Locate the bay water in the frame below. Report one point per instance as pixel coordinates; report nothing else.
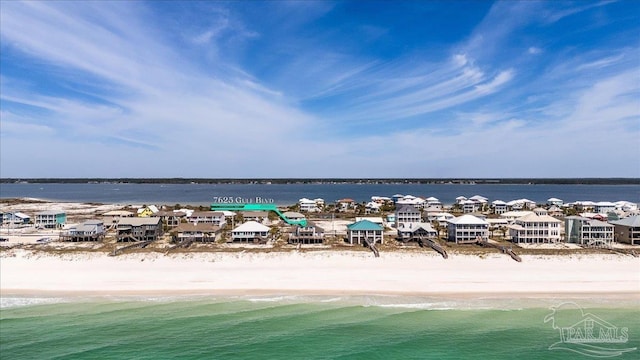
(288, 194)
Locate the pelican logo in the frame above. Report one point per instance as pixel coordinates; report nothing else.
(586, 333)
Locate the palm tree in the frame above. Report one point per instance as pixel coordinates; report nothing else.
(437, 227)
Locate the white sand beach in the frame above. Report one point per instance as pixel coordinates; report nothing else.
(320, 272)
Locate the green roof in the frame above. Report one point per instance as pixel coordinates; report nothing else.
(364, 225)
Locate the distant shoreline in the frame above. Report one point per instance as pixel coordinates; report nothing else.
(288, 181)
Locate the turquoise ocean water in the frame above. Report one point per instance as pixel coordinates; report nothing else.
(296, 327)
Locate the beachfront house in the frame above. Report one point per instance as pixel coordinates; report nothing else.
(414, 231)
(50, 219)
(627, 230)
(467, 228)
(364, 230)
(90, 230)
(15, 218)
(250, 231)
(534, 228)
(199, 232)
(589, 232)
(309, 234)
(139, 229)
(407, 214)
(215, 218)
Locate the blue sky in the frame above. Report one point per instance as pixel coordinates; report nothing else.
(320, 89)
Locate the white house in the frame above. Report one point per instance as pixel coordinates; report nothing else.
(249, 232)
(479, 199)
(467, 228)
(521, 204)
(470, 206)
(372, 207)
(257, 216)
(215, 218)
(626, 206)
(533, 228)
(442, 218)
(603, 207)
(540, 211)
(511, 216)
(433, 202)
(363, 230)
(200, 232)
(294, 215)
(307, 205)
(554, 201)
(499, 207)
(414, 201)
(555, 211)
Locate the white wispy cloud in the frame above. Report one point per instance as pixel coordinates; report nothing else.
(534, 50)
(152, 108)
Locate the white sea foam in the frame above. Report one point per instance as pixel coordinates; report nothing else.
(13, 302)
(273, 298)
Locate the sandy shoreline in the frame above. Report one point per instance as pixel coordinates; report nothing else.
(319, 273)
